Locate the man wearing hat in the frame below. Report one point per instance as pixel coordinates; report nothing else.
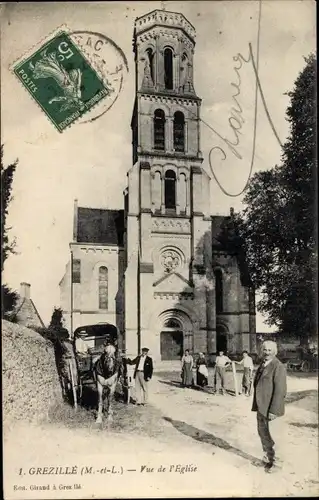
(142, 375)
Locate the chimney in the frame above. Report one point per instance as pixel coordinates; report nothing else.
(231, 211)
(25, 290)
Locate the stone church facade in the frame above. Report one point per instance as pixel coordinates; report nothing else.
(162, 269)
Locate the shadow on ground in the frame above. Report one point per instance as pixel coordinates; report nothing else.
(206, 437)
(292, 397)
(207, 389)
(306, 426)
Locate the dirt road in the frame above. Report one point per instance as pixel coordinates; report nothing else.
(185, 442)
(226, 426)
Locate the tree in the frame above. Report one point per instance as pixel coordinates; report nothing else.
(9, 297)
(56, 318)
(9, 300)
(278, 224)
(56, 323)
(6, 188)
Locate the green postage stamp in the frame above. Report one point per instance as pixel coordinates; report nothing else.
(61, 80)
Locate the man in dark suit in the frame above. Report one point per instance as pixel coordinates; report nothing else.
(142, 375)
(270, 389)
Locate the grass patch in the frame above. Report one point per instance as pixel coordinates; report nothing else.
(127, 418)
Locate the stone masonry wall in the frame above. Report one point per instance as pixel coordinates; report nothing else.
(30, 380)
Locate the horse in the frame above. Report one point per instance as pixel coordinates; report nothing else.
(107, 371)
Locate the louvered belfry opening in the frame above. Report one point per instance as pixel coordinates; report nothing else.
(159, 130)
(179, 132)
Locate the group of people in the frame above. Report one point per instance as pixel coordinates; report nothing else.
(269, 385)
(221, 363)
(188, 366)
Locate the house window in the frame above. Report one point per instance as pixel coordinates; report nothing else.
(76, 271)
(168, 68)
(170, 189)
(179, 131)
(103, 287)
(219, 291)
(159, 130)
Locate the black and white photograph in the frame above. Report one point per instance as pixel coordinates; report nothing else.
(159, 249)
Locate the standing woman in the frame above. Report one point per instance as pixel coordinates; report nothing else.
(187, 367)
(202, 372)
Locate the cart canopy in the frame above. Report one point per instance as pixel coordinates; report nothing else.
(98, 333)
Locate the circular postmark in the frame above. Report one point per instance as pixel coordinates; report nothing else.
(110, 63)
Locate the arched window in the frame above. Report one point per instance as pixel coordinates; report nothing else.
(172, 323)
(179, 131)
(170, 189)
(168, 68)
(219, 291)
(221, 338)
(159, 130)
(150, 56)
(103, 288)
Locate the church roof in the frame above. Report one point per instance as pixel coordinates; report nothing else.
(100, 226)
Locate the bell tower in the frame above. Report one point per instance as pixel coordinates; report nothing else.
(167, 110)
(167, 200)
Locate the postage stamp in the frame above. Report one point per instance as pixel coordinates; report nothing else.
(109, 61)
(61, 80)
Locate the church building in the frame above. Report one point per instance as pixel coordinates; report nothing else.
(164, 270)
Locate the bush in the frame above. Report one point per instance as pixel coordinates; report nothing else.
(9, 300)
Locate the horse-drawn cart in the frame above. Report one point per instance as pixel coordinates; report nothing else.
(80, 356)
(305, 360)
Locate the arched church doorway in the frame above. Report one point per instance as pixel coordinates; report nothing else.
(221, 338)
(172, 340)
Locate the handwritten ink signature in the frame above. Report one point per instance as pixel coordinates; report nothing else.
(236, 121)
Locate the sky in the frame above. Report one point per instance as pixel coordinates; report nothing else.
(89, 161)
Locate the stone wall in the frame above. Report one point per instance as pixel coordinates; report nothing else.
(86, 293)
(30, 380)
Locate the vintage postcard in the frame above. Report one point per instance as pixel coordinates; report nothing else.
(159, 332)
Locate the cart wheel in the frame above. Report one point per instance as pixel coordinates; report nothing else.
(80, 389)
(74, 387)
(127, 394)
(126, 391)
(64, 386)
